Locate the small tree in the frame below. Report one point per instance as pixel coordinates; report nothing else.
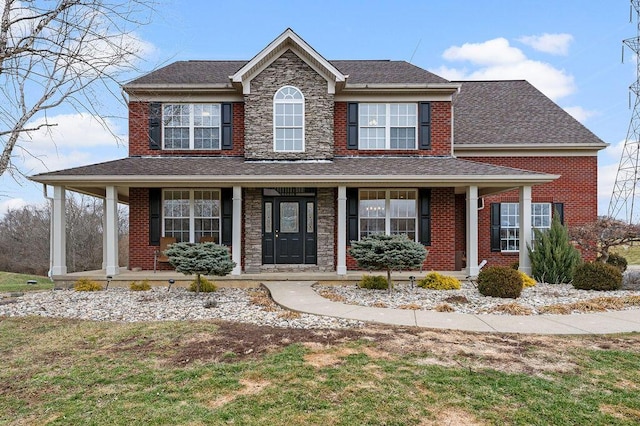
(384, 252)
(553, 257)
(200, 259)
(598, 237)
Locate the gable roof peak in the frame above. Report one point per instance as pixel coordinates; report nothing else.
(288, 40)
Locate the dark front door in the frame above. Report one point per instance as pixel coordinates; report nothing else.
(289, 230)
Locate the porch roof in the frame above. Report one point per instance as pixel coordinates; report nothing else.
(349, 171)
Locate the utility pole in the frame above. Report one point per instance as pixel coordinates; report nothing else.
(623, 198)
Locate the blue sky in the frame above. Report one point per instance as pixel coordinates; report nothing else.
(571, 50)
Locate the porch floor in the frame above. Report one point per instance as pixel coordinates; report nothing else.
(161, 278)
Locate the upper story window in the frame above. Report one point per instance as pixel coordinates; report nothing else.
(288, 120)
(191, 126)
(388, 126)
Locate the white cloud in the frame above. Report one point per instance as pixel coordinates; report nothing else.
(580, 114)
(497, 60)
(555, 44)
(491, 52)
(11, 203)
(77, 139)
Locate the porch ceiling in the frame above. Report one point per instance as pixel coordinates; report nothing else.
(349, 171)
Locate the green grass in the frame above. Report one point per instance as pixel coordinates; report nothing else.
(631, 253)
(18, 282)
(80, 372)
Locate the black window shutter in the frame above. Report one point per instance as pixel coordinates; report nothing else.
(495, 227)
(425, 216)
(155, 129)
(352, 215)
(227, 216)
(352, 125)
(227, 125)
(424, 131)
(155, 210)
(558, 208)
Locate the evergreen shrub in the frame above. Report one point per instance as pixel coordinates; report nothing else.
(373, 282)
(500, 281)
(597, 276)
(436, 281)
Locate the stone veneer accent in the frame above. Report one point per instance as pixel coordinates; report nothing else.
(253, 234)
(289, 70)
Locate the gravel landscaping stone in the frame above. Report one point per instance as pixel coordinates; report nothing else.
(467, 300)
(157, 304)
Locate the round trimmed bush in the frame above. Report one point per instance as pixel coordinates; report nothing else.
(499, 281)
(618, 261)
(436, 281)
(597, 276)
(373, 282)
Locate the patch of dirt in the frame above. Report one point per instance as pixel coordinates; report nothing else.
(454, 417)
(530, 354)
(249, 387)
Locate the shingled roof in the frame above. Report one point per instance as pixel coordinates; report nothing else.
(513, 113)
(221, 169)
(218, 72)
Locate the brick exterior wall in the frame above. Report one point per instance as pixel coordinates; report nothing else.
(139, 134)
(289, 70)
(440, 133)
(576, 188)
(441, 256)
(140, 252)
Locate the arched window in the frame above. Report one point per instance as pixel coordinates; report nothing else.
(288, 120)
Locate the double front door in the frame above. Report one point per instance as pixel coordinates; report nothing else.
(289, 230)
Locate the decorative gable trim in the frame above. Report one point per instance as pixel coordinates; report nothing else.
(288, 40)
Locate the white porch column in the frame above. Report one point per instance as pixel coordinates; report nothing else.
(111, 231)
(341, 246)
(58, 233)
(236, 232)
(472, 231)
(525, 228)
(104, 230)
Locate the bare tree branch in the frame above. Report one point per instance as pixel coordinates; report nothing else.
(54, 52)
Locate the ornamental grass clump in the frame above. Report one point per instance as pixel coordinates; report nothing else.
(140, 286)
(499, 281)
(436, 281)
(206, 286)
(85, 284)
(373, 282)
(597, 276)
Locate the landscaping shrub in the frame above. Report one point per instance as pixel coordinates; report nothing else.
(206, 286)
(597, 276)
(527, 281)
(436, 281)
(618, 261)
(553, 257)
(373, 282)
(85, 284)
(631, 280)
(499, 281)
(140, 286)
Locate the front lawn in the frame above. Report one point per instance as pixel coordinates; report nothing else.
(10, 282)
(59, 371)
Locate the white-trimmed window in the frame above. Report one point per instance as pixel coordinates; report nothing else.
(390, 212)
(191, 126)
(388, 126)
(288, 120)
(510, 223)
(191, 214)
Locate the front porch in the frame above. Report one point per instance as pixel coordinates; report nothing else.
(244, 280)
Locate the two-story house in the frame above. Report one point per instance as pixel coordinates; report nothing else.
(287, 157)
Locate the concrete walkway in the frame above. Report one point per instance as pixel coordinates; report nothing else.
(299, 296)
